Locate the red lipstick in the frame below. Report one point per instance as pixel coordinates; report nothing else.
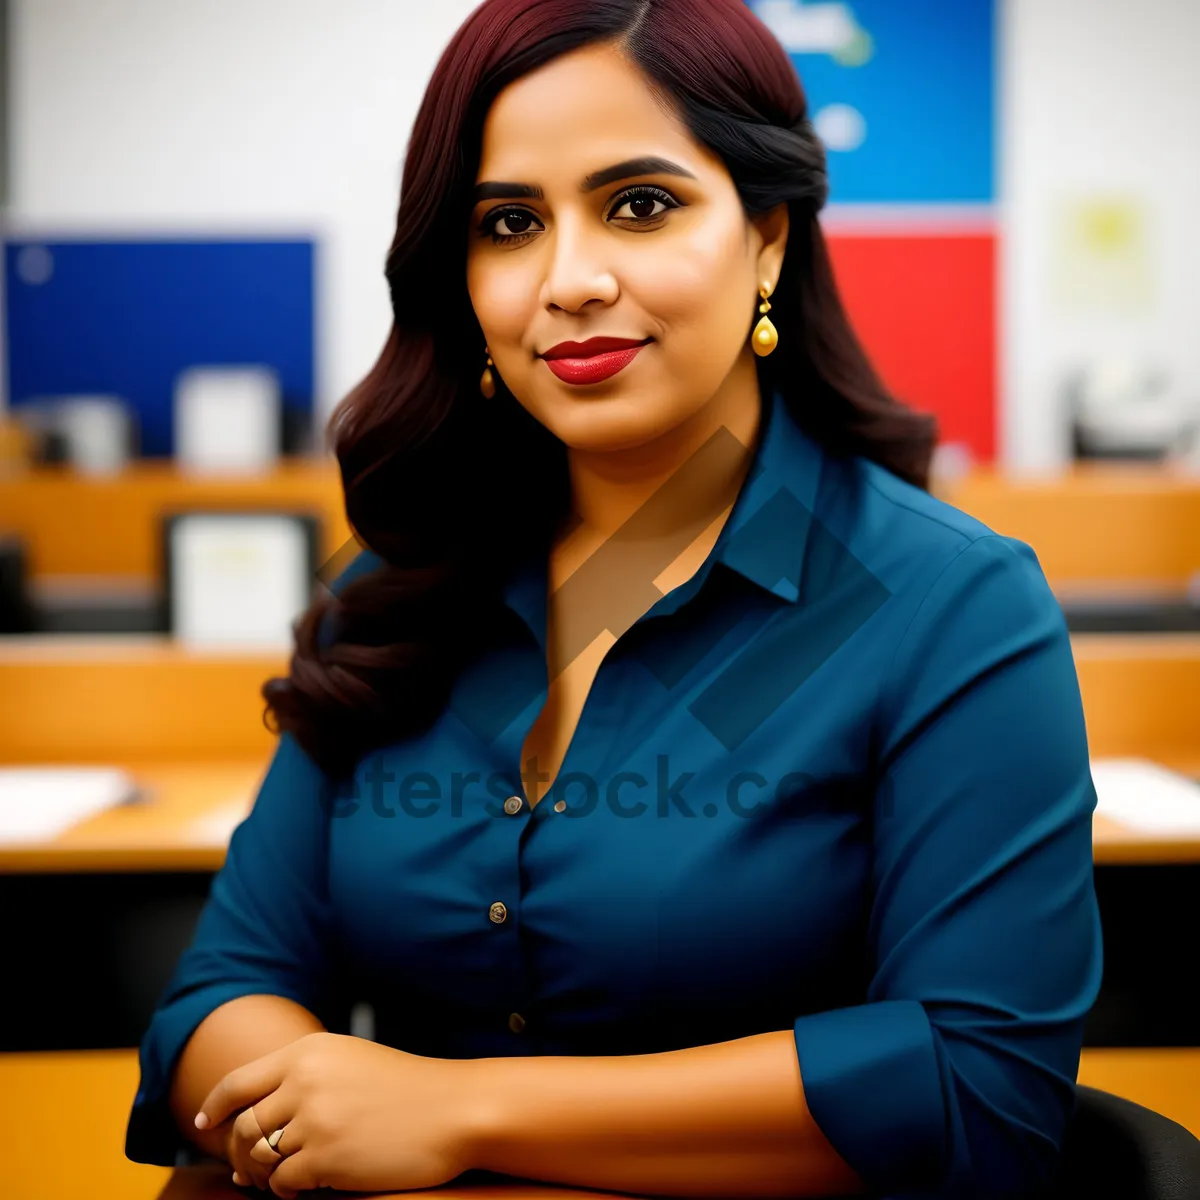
(596, 359)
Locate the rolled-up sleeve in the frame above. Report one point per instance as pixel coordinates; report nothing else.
(956, 1077)
(263, 930)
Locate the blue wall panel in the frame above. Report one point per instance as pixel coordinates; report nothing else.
(916, 77)
(125, 317)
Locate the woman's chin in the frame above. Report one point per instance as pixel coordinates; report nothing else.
(619, 420)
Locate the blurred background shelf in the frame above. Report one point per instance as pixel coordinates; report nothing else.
(120, 698)
(76, 525)
(1095, 528)
(1141, 696)
(1120, 529)
(1119, 543)
(148, 697)
(1135, 611)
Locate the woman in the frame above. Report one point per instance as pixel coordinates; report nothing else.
(701, 807)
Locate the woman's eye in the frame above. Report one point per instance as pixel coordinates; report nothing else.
(637, 206)
(509, 223)
(641, 204)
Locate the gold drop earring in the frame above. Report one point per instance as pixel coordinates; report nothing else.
(766, 336)
(487, 381)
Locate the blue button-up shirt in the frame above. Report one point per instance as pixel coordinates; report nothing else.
(837, 782)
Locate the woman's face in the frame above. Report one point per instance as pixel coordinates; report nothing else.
(659, 253)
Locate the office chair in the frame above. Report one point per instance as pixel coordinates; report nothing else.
(1115, 1149)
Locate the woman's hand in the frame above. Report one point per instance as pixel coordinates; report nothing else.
(355, 1115)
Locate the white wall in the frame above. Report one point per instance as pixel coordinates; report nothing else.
(238, 116)
(293, 115)
(1099, 97)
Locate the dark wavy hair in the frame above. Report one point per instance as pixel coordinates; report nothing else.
(447, 488)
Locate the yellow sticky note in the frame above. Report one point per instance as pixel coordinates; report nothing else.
(1103, 260)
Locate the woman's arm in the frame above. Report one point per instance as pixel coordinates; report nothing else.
(723, 1120)
(234, 1034)
(257, 968)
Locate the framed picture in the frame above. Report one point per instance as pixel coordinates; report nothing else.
(237, 580)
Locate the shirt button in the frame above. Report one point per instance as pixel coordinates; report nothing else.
(512, 805)
(560, 806)
(516, 1022)
(497, 913)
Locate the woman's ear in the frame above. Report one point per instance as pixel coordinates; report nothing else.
(772, 227)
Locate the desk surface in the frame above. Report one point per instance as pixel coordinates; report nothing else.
(212, 1183)
(183, 824)
(191, 809)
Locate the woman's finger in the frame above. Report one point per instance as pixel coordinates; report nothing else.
(296, 1173)
(253, 1126)
(246, 1131)
(243, 1086)
(263, 1152)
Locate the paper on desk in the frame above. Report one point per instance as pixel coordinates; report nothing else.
(1145, 796)
(41, 802)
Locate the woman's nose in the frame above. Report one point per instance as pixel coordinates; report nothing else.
(579, 272)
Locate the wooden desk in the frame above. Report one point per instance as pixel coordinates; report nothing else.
(1096, 523)
(96, 1087)
(212, 1183)
(1166, 1079)
(74, 524)
(183, 824)
(1114, 842)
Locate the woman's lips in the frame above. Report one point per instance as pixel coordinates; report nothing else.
(595, 367)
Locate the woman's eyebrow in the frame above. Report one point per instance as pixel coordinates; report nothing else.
(623, 170)
(631, 167)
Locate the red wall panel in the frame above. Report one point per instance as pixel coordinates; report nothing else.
(924, 306)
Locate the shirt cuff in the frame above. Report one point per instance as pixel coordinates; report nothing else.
(871, 1081)
(151, 1135)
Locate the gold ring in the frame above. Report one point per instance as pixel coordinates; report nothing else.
(273, 1140)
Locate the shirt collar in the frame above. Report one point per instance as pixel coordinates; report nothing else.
(763, 540)
(766, 535)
